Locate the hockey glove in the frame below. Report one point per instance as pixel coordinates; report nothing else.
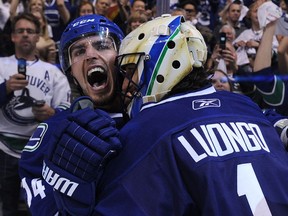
(280, 123)
(84, 143)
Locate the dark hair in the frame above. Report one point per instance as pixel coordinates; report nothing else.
(236, 2)
(142, 18)
(192, 2)
(194, 80)
(212, 71)
(82, 3)
(26, 16)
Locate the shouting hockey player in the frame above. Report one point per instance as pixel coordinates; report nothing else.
(88, 49)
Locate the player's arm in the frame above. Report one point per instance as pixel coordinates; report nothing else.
(38, 194)
(78, 151)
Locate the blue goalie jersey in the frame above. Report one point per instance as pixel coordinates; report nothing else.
(202, 153)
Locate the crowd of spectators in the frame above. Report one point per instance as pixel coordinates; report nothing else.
(237, 19)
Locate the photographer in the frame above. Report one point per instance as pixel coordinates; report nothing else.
(224, 57)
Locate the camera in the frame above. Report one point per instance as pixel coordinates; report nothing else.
(38, 103)
(222, 40)
(22, 66)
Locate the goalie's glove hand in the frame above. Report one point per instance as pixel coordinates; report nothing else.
(84, 142)
(280, 123)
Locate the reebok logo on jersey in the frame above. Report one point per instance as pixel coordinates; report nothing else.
(205, 103)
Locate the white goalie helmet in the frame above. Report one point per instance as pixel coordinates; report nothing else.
(162, 51)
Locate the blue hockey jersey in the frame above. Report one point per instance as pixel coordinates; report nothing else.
(202, 153)
(39, 195)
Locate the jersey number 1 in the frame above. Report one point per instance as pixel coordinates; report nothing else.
(248, 185)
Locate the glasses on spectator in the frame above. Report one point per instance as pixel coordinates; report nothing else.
(221, 80)
(189, 10)
(22, 30)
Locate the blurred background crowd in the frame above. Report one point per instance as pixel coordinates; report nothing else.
(209, 16)
(237, 20)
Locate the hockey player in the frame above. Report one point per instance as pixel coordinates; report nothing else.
(31, 91)
(191, 150)
(88, 49)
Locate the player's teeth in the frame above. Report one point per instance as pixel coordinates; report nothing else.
(95, 70)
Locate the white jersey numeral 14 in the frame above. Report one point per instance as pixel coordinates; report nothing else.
(37, 189)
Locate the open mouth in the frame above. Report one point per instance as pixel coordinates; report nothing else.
(97, 77)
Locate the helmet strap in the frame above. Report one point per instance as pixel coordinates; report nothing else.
(80, 90)
(196, 63)
(154, 98)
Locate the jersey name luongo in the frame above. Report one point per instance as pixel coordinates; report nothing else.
(219, 139)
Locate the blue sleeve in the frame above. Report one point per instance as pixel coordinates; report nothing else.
(39, 195)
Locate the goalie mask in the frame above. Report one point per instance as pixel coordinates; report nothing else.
(156, 56)
(87, 27)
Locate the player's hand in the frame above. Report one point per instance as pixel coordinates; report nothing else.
(280, 123)
(84, 143)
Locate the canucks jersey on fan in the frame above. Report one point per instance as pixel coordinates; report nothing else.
(17, 119)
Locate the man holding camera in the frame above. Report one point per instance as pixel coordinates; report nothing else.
(30, 92)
